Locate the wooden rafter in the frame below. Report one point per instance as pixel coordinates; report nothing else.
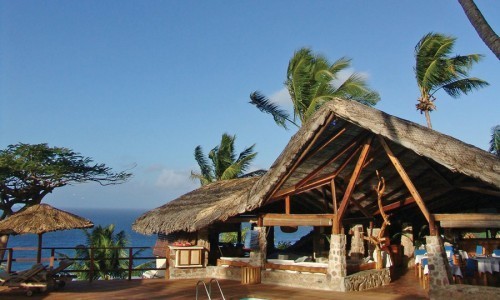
(318, 182)
(480, 190)
(436, 172)
(354, 178)
(302, 156)
(409, 184)
(326, 163)
(357, 203)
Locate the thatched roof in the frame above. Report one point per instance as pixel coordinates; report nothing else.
(445, 170)
(197, 209)
(41, 218)
(449, 175)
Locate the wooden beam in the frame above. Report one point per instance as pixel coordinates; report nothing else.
(336, 224)
(468, 220)
(301, 157)
(396, 205)
(298, 220)
(409, 184)
(287, 204)
(354, 178)
(480, 190)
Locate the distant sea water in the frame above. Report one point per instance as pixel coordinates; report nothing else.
(121, 218)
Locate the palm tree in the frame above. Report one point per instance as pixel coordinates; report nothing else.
(311, 81)
(108, 248)
(483, 29)
(495, 141)
(222, 162)
(436, 70)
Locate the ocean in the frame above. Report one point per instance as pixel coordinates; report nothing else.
(121, 218)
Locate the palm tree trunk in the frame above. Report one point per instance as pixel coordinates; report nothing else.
(428, 118)
(483, 29)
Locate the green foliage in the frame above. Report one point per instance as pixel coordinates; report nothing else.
(30, 172)
(222, 162)
(232, 237)
(495, 141)
(311, 81)
(110, 259)
(282, 245)
(436, 69)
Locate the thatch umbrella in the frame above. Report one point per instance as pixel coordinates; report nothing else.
(39, 219)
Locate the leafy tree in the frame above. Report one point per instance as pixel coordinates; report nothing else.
(29, 172)
(311, 81)
(435, 69)
(495, 141)
(222, 162)
(108, 249)
(483, 29)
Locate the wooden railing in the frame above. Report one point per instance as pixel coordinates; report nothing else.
(10, 258)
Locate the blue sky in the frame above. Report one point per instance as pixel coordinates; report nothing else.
(142, 83)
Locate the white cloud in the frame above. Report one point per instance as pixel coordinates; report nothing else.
(281, 97)
(174, 179)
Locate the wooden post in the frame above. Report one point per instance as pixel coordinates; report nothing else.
(287, 204)
(130, 262)
(9, 260)
(39, 251)
(167, 263)
(91, 268)
(52, 257)
(409, 184)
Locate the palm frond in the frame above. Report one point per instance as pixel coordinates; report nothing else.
(280, 116)
(495, 141)
(464, 86)
(355, 88)
(205, 168)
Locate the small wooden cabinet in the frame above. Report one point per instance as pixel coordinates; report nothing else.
(188, 257)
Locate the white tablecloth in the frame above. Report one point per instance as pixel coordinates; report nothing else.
(488, 264)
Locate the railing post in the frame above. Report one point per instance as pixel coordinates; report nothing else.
(91, 267)
(9, 259)
(52, 257)
(130, 263)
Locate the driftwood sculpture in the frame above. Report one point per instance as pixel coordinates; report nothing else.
(379, 239)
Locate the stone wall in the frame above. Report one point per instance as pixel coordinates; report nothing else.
(224, 272)
(295, 279)
(184, 273)
(367, 280)
(465, 292)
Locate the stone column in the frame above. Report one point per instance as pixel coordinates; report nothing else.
(258, 256)
(439, 266)
(337, 266)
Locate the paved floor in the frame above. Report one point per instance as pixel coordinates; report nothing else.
(404, 287)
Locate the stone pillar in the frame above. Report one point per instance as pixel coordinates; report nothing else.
(357, 251)
(258, 256)
(439, 266)
(337, 266)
